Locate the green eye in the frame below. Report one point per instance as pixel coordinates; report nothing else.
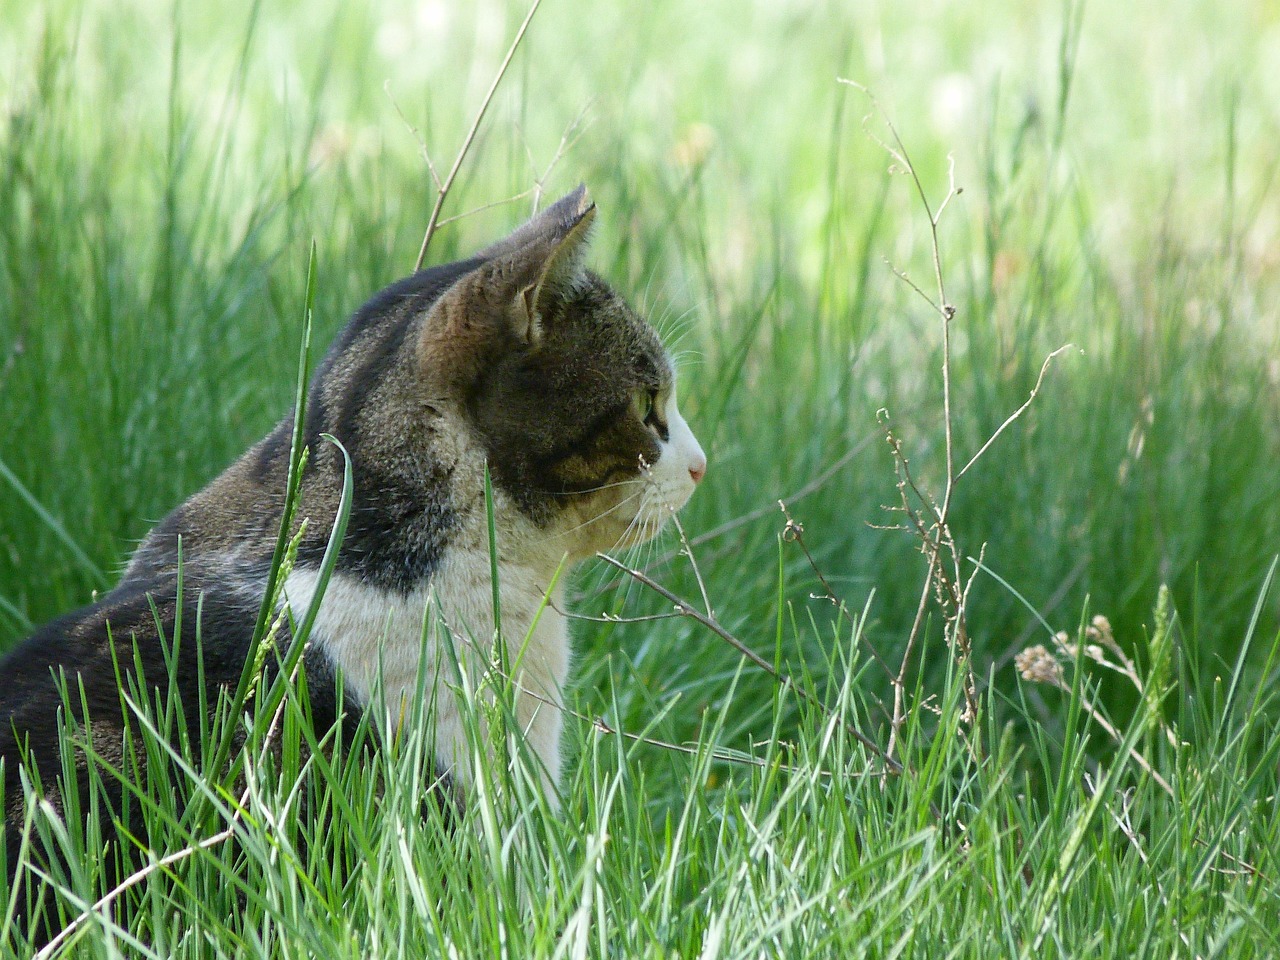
(646, 408)
(643, 404)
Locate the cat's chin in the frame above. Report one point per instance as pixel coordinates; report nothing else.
(668, 488)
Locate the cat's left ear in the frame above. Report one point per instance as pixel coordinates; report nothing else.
(546, 258)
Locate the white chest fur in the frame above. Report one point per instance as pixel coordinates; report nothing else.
(383, 643)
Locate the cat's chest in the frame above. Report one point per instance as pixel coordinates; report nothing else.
(380, 638)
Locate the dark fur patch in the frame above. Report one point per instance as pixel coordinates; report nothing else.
(123, 632)
(388, 310)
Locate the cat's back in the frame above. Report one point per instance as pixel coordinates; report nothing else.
(234, 521)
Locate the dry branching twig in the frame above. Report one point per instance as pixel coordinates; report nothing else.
(103, 904)
(1016, 414)
(737, 523)
(793, 532)
(923, 515)
(687, 610)
(443, 187)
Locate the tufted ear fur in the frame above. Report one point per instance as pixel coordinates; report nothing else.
(511, 294)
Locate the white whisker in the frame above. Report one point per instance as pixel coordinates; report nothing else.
(603, 486)
(677, 328)
(690, 357)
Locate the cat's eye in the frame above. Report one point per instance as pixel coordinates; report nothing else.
(645, 403)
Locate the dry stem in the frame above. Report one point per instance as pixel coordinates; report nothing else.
(442, 189)
(142, 873)
(928, 520)
(715, 533)
(935, 535)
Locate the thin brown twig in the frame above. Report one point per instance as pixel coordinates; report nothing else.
(599, 723)
(177, 856)
(567, 140)
(1016, 414)
(745, 759)
(793, 532)
(813, 486)
(796, 534)
(538, 179)
(130, 881)
(697, 572)
(935, 537)
(950, 597)
(414, 132)
(905, 278)
(442, 190)
(612, 618)
(603, 726)
(485, 206)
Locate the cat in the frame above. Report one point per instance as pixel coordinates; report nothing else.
(519, 359)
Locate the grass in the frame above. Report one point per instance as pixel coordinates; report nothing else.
(163, 173)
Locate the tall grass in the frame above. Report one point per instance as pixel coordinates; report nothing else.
(163, 171)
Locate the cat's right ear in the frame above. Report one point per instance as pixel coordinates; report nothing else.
(556, 220)
(540, 263)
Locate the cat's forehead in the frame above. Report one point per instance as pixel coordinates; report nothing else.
(601, 326)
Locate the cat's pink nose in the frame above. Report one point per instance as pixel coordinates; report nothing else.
(698, 469)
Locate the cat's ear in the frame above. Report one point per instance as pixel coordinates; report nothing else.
(510, 296)
(543, 259)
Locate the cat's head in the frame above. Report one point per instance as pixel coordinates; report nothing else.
(569, 390)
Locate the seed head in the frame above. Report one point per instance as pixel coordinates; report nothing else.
(1037, 665)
